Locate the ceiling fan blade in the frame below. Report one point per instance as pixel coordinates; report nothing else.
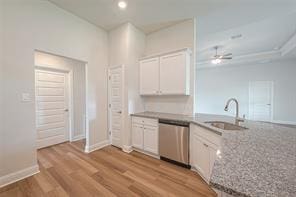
(226, 58)
(228, 54)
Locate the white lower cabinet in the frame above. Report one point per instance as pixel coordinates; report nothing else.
(151, 139)
(204, 145)
(137, 136)
(145, 134)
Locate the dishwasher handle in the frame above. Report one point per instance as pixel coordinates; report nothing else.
(174, 122)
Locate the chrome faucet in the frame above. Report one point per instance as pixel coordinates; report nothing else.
(237, 118)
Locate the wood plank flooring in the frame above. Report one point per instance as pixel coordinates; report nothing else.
(66, 171)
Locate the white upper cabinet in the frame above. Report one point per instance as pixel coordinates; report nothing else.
(174, 74)
(167, 74)
(149, 76)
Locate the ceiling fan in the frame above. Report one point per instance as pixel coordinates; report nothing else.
(217, 59)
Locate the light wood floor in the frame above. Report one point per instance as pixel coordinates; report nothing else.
(66, 171)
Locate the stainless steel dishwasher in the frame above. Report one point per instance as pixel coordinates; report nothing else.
(174, 142)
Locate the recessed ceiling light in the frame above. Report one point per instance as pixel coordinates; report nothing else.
(122, 5)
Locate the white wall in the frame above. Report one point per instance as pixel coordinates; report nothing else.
(78, 69)
(35, 24)
(216, 85)
(126, 46)
(178, 36)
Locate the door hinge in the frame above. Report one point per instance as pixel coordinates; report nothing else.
(109, 77)
(109, 105)
(109, 132)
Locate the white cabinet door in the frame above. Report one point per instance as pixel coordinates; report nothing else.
(137, 136)
(200, 156)
(174, 74)
(149, 76)
(151, 139)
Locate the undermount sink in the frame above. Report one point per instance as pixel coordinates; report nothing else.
(225, 125)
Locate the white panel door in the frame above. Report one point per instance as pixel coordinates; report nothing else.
(260, 100)
(151, 139)
(138, 136)
(52, 103)
(149, 76)
(115, 105)
(174, 74)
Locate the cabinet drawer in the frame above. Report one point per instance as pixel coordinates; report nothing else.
(206, 134)
(145, 121)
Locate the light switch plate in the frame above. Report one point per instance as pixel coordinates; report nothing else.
(26, 97)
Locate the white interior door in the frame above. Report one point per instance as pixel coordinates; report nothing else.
(260, 100)
(52, 107)
(115, 105)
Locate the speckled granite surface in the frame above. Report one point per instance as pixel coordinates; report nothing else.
(257, 162)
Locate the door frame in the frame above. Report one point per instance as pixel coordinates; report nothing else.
(271, 99)
(122, 103)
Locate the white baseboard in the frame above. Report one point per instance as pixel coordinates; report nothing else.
(78, 137)
(97, 146)
(147, 153)
(19, 175)
(127, 149)
(284, 122)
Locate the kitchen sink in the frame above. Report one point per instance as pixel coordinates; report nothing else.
(225, 125)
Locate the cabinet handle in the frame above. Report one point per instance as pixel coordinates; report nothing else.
(206, 145)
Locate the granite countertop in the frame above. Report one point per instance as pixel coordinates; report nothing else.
(257, 162)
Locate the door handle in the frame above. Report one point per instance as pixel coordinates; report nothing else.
(66, 110)
(269, 104)
(119, 112)
(206, 145)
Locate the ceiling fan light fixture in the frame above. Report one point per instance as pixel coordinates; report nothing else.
(216, 61)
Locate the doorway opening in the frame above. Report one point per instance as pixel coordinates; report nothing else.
(61, 100)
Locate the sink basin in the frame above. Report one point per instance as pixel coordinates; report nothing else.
(225, 125)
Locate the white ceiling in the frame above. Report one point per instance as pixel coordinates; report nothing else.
(150, 15)
(264, 24)
(266, 35)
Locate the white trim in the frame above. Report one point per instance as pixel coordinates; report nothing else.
(97, 146)
(243, 59)
(78, 137)
(146, 153)
(187, 49)
(71, 103)
(289, 46)
(127, 149)
(87, 122)
(284, 122)
(19, 175)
